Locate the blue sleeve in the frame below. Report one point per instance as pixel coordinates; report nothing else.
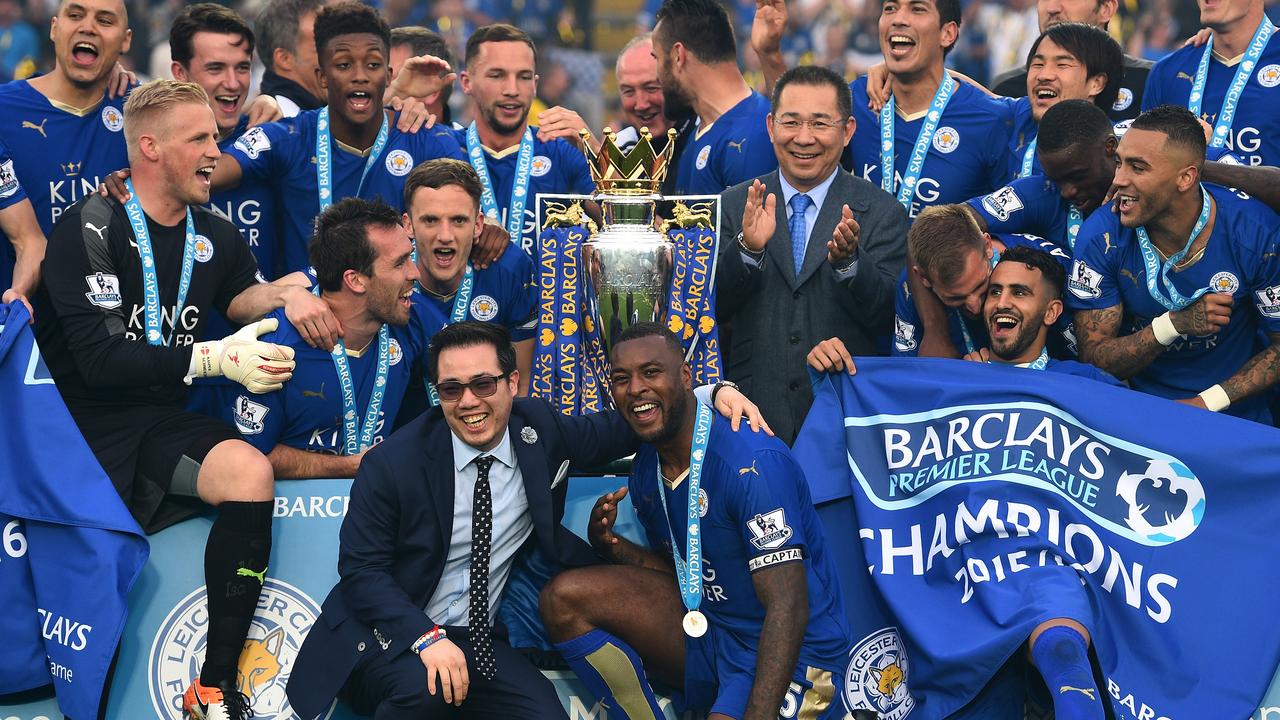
(755, 158)
(522, 300)
(265, 150)
(425, 321)
(1151, 92)
(766, 506)
(1000, 170)
(444, 144)
(1018, 207)
(1266, 285)
(1103, 376)
(1091, 282)
(907, 330)
(576, 171)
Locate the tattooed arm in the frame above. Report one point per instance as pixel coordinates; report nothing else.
(1262, 182)
(783, 590)
(615, 547)
(1125, 356)
(1257, 375)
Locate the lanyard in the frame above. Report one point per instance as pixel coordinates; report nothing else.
(690, 574)
(927, 129)
(352, 444)
(324, 157)
(1244, 71)
(1074, 221)
(461, 300)
(152, 315)
(1175, 300)
(1040, 363)
(519, 184)
(1028, 158)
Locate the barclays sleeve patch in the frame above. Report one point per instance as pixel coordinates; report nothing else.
(249, 415)
(253, 143)
(769, 530)
(904, 335)
(1268, 301)
(8, 180)
(1002, 203)
(104, 291)
(1085, 282)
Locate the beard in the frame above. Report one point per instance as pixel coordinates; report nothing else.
(672, 421)
(676, 104)
(1028, 331)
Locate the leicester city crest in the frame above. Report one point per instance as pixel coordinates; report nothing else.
(876, 678)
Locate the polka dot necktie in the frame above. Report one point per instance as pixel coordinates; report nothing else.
(481, 539)
(799, 205)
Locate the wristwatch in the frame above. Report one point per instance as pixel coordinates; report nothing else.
(722, 384)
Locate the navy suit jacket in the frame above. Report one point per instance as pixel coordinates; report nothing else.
(395, 537)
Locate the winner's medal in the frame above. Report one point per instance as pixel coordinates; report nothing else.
(695, 624)
(690, 574)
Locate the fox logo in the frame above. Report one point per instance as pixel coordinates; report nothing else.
(259, 662)
(1087, 692)
(38, 128)
(888, 678)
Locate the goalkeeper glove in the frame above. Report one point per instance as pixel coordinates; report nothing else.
(259, 366)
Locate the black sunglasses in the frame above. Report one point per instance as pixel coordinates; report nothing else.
(482, 386)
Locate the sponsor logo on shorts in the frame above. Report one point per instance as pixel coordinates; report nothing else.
(769, 530)
(104, 291)
(877, 675)
(284, 615)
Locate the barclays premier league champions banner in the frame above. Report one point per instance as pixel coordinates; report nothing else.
(972, 505)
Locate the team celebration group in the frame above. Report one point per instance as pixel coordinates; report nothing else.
(337, 280)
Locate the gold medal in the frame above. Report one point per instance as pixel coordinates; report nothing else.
(695, 624)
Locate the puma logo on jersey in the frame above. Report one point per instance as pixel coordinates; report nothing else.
(749, 470)
(315, 393)
(98, 230)
(736, 145)
(260, 575)
(38, 128)
(1106, 238)
(1184, 76)
(1129, 274)
(1087, 692)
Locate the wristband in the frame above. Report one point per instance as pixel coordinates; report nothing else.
(715, 389)
(755, 254)
(1216, 399)
(1164, 330)
(429, 638)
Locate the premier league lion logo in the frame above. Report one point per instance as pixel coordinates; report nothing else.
(1166, 503)
(284, 615)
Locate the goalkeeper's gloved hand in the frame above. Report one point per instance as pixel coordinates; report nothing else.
(259, 366)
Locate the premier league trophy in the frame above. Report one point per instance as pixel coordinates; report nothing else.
(594, 281)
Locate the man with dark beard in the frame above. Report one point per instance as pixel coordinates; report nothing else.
(1024, 299)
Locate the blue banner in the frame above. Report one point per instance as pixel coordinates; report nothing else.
(61, 520)
(974, 505)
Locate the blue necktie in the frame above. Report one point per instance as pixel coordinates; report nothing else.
(799, 204)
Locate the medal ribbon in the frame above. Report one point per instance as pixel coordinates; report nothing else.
(519, 185)
(927, 129)
(461, 300)
(324, 157)
(1175, 300)
(690, 574)
(352, 444)
(152, 314)
(1028, 158)
(1244, 71)
(1074, 221)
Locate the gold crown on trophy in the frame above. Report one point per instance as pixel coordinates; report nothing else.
(639, 172)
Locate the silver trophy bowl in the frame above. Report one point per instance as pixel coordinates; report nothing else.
(629, 265)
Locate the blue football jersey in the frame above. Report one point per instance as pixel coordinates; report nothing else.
(558, 167)
(1031, 206)
(756, 512)
(59, 154)
(282, 155)
(1082, 369)
(1242, 259)
(11, 193)
(969, 334)
(251, 207)
(969, 155)
(733, 149)
(1255, 131)
(307, 412)
(504, 294)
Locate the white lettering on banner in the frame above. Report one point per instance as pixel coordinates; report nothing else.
(1139, 710)
(60, 672)
(1084, 551)
(312, 506)
(12, 539)
(64, 630)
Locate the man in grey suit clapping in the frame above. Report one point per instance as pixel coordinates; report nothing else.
(809, 252)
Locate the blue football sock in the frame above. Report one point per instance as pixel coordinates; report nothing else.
(612, 671)
(1062, 656)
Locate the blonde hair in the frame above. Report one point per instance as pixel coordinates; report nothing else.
(940, 239)
(149, 104)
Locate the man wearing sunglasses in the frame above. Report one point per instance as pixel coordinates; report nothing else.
(438, 515)
(341, 403)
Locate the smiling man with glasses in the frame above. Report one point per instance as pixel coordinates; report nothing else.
(816, 251)
(438, 515)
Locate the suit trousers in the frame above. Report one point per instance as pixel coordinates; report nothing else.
(395, 687)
